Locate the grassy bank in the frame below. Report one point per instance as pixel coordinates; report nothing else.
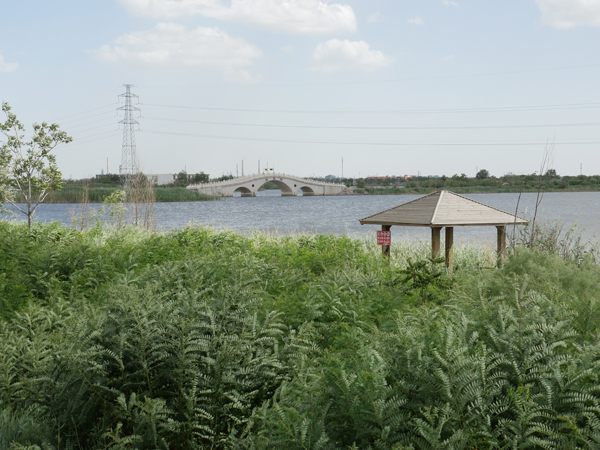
(98, 195)
(196, 338)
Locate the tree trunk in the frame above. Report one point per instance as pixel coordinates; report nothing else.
(29, 213)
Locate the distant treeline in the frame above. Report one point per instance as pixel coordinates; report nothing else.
(481, 183)
(181, 179)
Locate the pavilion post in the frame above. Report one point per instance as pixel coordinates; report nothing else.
(501, 244)
(435, 242)
(449, 248)
(385, 249)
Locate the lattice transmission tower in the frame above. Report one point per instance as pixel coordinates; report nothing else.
(129, 163)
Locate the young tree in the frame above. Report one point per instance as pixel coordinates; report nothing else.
(200, 178)
(6, 194)
(182, 179)
(482, 174)
(29, 166)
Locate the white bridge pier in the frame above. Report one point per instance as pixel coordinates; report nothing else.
(289, 184)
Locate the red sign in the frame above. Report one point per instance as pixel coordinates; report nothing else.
(384, 238)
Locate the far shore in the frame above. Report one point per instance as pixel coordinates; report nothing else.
(468, 190)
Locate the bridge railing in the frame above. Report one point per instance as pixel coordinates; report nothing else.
(245, 178)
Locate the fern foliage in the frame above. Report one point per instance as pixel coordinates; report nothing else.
(196, 338)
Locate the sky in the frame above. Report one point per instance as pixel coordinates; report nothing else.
(389, 87)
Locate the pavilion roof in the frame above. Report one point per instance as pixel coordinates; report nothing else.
(441, 209)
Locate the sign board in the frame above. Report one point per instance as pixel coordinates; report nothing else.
(384, 238)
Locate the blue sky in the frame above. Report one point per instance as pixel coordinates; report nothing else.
(430, 86)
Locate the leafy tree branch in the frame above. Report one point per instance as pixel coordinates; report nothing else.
(29, 166)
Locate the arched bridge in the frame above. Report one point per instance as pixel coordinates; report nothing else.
(289, 184)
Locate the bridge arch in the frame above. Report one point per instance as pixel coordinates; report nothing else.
(244, 192)
(306, 191)
(286, 190)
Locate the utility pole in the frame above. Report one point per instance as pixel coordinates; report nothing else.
(259, 166)
(107, 172)
(580, 168)
(129, 164)
(237, 174)
(242, 167)
(342, 167)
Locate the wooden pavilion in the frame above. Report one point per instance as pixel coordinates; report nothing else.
(445, 209)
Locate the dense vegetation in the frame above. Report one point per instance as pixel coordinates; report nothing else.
(548, 182)
(78, 194)
(197, 338)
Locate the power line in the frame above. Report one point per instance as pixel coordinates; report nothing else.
(317, 127)
(420, 143)
(97, 134)
(84, 112)
(93, 122)
(82, 142)
(391, 80)
(399, 111)
(95, 128)
(55, 105)
(88, 117)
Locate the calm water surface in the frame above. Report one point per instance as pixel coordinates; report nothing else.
(340, 215)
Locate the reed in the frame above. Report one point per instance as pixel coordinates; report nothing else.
(98, 195)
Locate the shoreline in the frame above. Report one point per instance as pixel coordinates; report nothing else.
(374, 192)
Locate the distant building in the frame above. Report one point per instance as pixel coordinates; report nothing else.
(161, 179)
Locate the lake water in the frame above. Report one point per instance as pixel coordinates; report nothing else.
(339, 215)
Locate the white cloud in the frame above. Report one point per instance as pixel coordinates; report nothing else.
(450, 3)
(415, 21)
(288, 16)
(6, 67)
(566, 14)
(448, 58)
(288, 49)
(348, 55)
(375, 17)
(171, 45)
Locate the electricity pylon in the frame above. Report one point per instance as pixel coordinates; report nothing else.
(129, 164)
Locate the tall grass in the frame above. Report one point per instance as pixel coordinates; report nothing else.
(98, 195)
(554, 238)
(200, 338)
(180, 194)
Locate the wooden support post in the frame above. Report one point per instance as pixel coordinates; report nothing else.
(501, 244)
(385, 249)
(449, 247)
(435, 242)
